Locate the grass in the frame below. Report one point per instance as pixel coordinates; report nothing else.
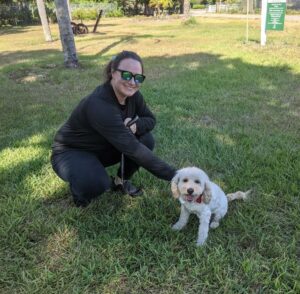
(229, 107)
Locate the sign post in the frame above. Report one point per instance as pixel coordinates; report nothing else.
(263, 35)
(272, 17)
(247, 26)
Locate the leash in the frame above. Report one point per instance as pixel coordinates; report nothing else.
(130, 123)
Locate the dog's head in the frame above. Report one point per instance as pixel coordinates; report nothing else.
(190, 183)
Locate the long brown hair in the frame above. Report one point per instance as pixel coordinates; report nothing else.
(115, 61)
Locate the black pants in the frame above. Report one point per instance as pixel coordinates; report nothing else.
(85, 171)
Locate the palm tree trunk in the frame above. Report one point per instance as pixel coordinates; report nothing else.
(69, 8)
(186, 8)
(44, 20)
(66, 34)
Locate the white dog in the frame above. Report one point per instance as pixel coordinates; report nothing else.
(198, 195)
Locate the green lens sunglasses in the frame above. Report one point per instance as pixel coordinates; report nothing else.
(127, 76)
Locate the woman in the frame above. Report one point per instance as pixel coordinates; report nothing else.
(96, 134)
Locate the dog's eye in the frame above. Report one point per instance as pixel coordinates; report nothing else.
(185, 180)
(197, 181)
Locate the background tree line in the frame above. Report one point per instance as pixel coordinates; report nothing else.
(25, 12)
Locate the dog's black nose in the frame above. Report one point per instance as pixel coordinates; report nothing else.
(190, 191)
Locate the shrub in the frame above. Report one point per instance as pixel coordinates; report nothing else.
(85, 14)
(15, 14)
(194, 2)
(190, 22)
(292, 11)
(198, 6)
(115, 13)
(51, 13)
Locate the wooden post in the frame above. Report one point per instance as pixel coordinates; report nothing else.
(97, 21)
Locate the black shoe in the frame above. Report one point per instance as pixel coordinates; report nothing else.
(126, 188)
(81, 203)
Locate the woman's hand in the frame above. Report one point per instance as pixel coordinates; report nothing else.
(132, 127)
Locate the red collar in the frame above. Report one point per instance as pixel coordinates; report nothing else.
(199, 199)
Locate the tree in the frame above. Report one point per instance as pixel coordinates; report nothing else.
(44, 20)
(69, 9)
(186, 8)
(160, 5)
(66, 34)
(250, 4)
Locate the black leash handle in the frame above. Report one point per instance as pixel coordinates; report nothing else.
(122, 169)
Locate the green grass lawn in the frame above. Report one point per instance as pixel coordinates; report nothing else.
(229, 107)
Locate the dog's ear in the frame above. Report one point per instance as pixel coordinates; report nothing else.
(207, 192)
(174, 186)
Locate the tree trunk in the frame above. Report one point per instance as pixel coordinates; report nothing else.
(44, 20)
(66, 34)
(218, 6)
(186, 8)
(69, 8)
(251, 6)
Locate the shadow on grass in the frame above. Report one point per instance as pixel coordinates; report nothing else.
(101, 25)
(125, 39)
(13, 30)
(203, 86)
(42, 57)
(114, 44)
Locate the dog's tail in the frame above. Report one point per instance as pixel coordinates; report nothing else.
(238, 195)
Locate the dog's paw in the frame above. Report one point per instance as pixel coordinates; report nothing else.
(176, 227)
(200, 243)
(214, 225)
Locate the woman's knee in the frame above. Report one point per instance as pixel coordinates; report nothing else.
(148, 140)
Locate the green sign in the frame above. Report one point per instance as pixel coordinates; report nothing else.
(275, 15)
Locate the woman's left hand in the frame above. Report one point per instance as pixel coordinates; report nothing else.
(132, 127)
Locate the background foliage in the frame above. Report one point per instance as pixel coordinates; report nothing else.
(24, 12)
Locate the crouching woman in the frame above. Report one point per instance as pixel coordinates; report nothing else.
(97, 134)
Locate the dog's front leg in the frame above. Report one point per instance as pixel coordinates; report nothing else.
(204, 219)
(183, 219)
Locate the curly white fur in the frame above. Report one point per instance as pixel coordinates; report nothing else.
(198, 195)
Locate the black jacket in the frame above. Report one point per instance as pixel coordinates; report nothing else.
(96, 125)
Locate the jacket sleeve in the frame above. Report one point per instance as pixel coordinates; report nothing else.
(146, 121)
(106, 119)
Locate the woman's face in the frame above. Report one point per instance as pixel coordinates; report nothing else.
(122, 87)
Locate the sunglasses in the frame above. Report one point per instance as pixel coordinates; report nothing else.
(127, 76)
